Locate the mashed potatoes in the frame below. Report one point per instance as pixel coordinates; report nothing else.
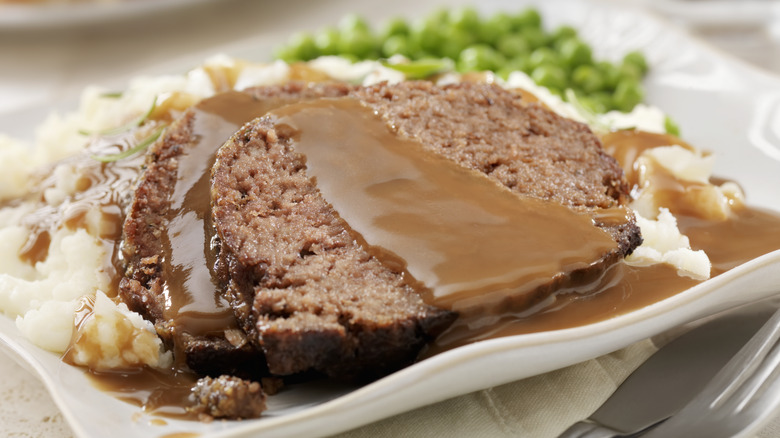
(46, 297)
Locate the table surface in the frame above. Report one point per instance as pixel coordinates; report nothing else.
(47, 63)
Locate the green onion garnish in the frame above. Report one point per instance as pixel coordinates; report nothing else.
(422, 68)
(132, 151)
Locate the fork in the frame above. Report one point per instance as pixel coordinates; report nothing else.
(739, 398)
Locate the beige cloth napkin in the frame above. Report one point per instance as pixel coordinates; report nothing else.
(537, 407)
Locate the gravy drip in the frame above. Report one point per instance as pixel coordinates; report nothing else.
(468, 239)
(626, 146)
(747, 234)
(156, 392)
(621, 289)
(743, 235)
(102, 188)
(193, 296)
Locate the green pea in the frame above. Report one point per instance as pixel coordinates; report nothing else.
(528, 18)
(609, 73)
(465, 19)
(327, 41)
(575, 53)
(396, 45)
(628, 93)
(502, 23)
(563, 33)
(519, 63)
(602, 99)
(453, 41)
(396, 26)
(637, 59)
(287, 53)
(480, 57)
(415, 51)
(359, 43)
(671, 126)
(512, 45)
(428, 35)
(587, 78)
(304, 46)
(440, 16)
(494, 28)
(534, 36)
(543, 56)
(353, 23)
(629, 71)
(550, 76)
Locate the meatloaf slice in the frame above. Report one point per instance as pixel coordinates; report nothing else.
(302, 286)
(145, 284)
(524, 146)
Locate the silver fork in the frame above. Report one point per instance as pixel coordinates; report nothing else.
(739, 398)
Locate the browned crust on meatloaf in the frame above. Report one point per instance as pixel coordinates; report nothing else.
(142, 288)
(308, 293)
(310, 296)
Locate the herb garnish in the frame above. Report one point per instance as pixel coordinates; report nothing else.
(422, 68)
(132, 151)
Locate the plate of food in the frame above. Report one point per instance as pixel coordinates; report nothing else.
(306, 245)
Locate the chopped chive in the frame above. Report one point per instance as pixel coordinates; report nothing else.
(112, 94)
(132, 151)
(422, 68)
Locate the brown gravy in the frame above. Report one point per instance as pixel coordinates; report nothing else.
(156, 392)
(193, 296)
(101, 187)
(626, 146)
(749, 233)
(623, 288)
(452, 229)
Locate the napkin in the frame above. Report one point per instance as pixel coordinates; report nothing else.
(537, 407)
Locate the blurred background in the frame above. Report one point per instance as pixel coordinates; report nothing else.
(49, 52)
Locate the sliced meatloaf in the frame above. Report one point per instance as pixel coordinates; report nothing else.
(145, 286)
(303, 287)
(524, 146)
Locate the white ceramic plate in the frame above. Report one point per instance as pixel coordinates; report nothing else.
(722, 105)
